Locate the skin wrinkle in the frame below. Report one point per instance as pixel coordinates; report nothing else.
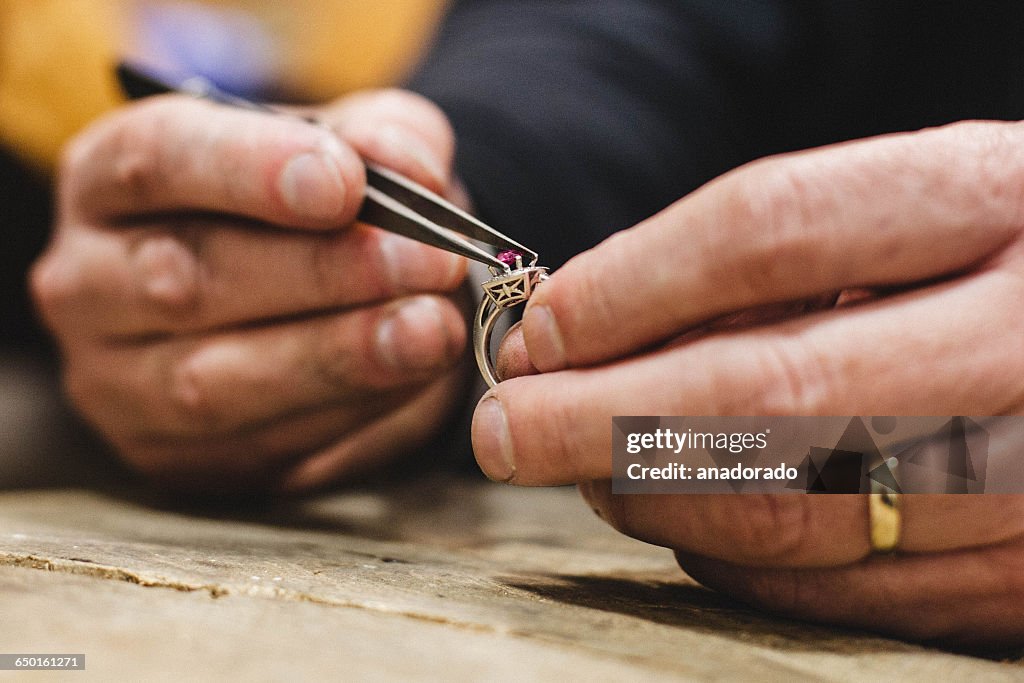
(781, 203)
(796, 384)
(170, 274)
(998, 166)
(188, 401)
(785, 533)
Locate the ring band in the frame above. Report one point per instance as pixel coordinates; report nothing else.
(886, 520)
(504, 291)
(486, 316)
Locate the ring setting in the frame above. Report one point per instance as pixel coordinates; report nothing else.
(507, 289)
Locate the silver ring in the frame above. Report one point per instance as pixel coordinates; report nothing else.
(504, 291)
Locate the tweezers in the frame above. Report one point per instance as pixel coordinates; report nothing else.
(393, 202)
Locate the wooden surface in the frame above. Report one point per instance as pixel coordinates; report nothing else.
(440, 579)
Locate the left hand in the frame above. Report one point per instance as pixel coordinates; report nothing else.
(938, 218)
(224, 322)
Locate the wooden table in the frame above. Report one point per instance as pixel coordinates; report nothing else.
(437, 579)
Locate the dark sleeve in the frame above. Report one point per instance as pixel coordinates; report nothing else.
(25, 227)
(578, 118)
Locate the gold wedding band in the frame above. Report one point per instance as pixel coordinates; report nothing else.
(885, 519)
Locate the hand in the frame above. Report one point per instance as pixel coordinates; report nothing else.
(933, 222)
(223, 322)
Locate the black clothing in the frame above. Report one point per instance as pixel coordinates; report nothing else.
(577, 118)
(25, 215)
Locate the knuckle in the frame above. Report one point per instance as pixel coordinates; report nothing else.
(772, 209)
(136, 142)
(50, 289)
(137, 174)
(999, 173)
(170, 259)
(127, 139)
(772, 528)
(974, 175)
(72, 173)
(795, 379)
(192, 396)
(74, 155)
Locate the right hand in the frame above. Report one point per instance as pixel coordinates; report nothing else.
(223, 322)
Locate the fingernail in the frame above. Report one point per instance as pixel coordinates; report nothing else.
(167, 270)
(414, 337)
(312, 186)
(492, 441)
(401, 142)
(543, 339)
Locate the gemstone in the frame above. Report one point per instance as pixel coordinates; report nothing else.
(509, 256)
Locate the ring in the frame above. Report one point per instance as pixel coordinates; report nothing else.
(504, 291)
(885, 519)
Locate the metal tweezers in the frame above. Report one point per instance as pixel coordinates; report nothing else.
(393, 202)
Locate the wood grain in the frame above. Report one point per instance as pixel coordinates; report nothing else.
(441, 579)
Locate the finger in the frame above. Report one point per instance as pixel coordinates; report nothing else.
(891, 210)
(513, 360)
(220, 383)
(970, 597)
(177, 153)
(400, 130)
(200, 273)
(555, 428)
(396, 434)
(794, 530)
(241, 459)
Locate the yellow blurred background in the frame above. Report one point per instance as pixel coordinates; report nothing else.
(56, 56)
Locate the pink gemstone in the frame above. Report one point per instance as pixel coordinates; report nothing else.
(509, 257)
